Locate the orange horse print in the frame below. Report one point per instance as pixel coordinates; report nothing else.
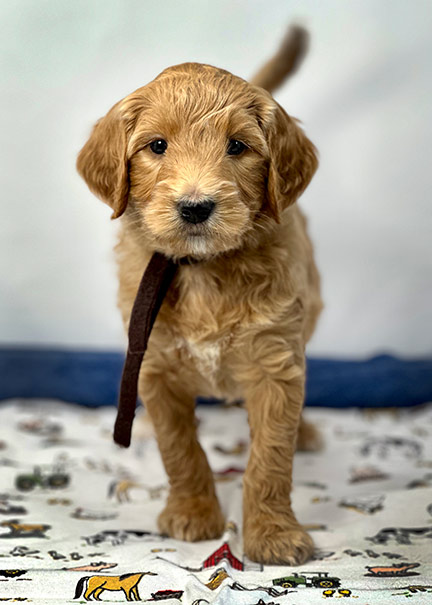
(93, 586)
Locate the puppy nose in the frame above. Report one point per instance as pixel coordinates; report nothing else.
(196, 212)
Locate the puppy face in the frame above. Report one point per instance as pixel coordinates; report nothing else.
(197, 159)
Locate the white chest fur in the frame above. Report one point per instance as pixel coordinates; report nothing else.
(207, 357)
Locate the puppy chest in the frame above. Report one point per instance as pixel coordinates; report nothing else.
(206, 357)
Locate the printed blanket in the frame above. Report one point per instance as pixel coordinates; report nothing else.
(78, 514)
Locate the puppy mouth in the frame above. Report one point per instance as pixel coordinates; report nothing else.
(193, 231)
(196, 234)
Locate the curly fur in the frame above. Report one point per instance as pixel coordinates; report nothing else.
(236, 323)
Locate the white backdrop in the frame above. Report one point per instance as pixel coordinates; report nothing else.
(363, 94)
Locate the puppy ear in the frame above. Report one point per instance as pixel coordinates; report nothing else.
(293, 162)
(103, 162)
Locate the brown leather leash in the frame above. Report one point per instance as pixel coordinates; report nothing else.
(154, 285)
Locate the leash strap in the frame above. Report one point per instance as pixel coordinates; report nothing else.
(151, 292)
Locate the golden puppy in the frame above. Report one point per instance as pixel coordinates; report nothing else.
(202, 165)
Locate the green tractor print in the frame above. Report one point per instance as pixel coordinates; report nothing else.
(321, 580)
(46, 479)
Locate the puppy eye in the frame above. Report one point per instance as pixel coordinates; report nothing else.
(159, 146)
(235, 147)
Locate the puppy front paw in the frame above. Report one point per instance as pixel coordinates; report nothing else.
(192, 519)
(275, 540)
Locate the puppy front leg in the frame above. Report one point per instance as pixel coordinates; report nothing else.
(192, 511)
(273, 383)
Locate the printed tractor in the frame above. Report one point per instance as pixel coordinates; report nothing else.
(321, 580)
(38, 478)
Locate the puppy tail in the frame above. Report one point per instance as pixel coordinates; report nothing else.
(286, 60)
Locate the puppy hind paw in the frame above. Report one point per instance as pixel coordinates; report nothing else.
(309, 438)
(192, 519)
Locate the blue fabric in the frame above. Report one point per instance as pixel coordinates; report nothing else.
(380, 381)
(92, 378)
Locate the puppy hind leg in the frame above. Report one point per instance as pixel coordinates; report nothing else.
(192, 511)
(143, 426)
(309, 438)
(274, 390)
